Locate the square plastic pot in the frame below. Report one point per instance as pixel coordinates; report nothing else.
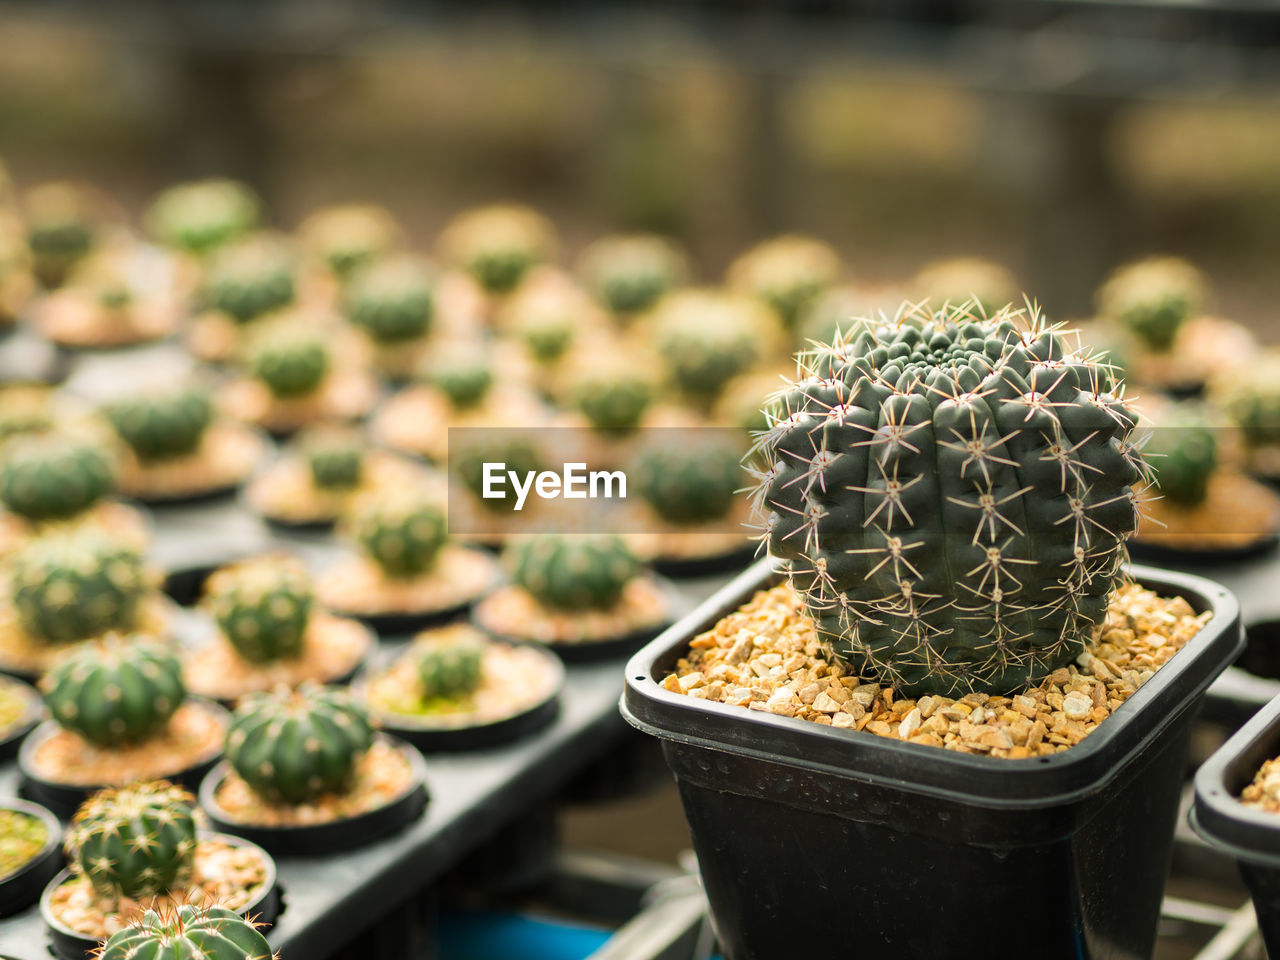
(810, 834)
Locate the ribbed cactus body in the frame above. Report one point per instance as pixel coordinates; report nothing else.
(393, 300)
(952, 496)
(292, 363)
(708, 338)
(690, 485)
(786, 273)
(449, 666)
(53, 477)
(294, 746)
(335, 458)
(402, 534)
(263, 606)
(613, 400)
(249, 278)
(629, 274)
(463, 375)
(121, 691)
(1183, 453)
(134, 841)
(68, 588)
(497, 245)
(518, 452)
(189, 933)
(573, 572)
(164, 425)
(203, 214)
(1153, 298)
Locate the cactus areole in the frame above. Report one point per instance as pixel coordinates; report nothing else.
(952, 494)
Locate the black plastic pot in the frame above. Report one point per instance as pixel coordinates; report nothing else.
(33, 712)
(1178, 556)
(1251, 836)
(67, 944)
(825, 834)
(681, 567)
(319, 839)
(22, 888)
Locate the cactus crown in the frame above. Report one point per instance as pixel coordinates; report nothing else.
(786, 273)
(263, 606)
(393, 300)
(402, 533)
(497, 245)
(348, 236)
(251, 277)
(209, 933)
(203, 214)
(291, 361)
(53, 477)
(293, 746)
(690, 485)
(707, 338)
(450, 664)
(575, 571)
(121, 690)
(334, 456)
(162, 425)
(62, 220)
(614, 398)
(464, 375)
(467, 459)
(1183, 452)
(629, 274)
(74, 586)
(134, 841)
(952, 496)
(1153, 298)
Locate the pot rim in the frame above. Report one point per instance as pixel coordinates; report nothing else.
(52, 825)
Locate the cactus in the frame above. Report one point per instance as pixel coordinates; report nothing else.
(392, 300)
(163, 425)
(119, 691)
(294, 746)
(952, 496)
(629, 274)
(402, 533)
(202, 215)
(690, 485)
(189, 933)
(449, 667)
(1183, 453)
(613, 398)
(335, 457)
(497, 245)
(708, 338)
(263, 606)
(1153, 298)
(75, 586)
(53, 477)
(63, 224)
(463, 374)
(547, 317)
(249, 278)
(1251, 398)
(786, 273)
(134, 841)
(573, 572)
(516, 449)
(985, 283)
(349, 236)
(292, 361)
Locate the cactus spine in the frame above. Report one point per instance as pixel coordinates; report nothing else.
(189, 933)
(53, 477)
(263, 607)
(573, 572)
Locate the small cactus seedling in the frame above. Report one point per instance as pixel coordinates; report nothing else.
(348, 236)
(958, 280)
(189, 933)
(628, 274)
(498, 245)
(202, 215)
(64, 222)
(163, 425)
(263, 607)
(450, 666)
(134, 841)
(251, 277)
(53, 476)
(1153, 298)
(690, 485)
(74, 586)
(122, 690)
(514, 448)
(952, 495)
(574, 571)
(463, 374)
(402, 533)
(613, 398)
(334, 456)
(547, 317)
(1183, 452)
(292, 361)
(786, 273)
(707, 338)
(1251, 398)
(294, 746)
(392, 300)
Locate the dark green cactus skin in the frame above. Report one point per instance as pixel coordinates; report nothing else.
(519, 453)
(192, 933)
(690, 486)
(162, 426)
(336, 460)
(68, 588)
(573, 572)
(292, 747)
(547, 339)
(450, 668)
(202, 215)
(249, 279)
(614, 404)
(629, 274)
(263, 607)
(466, 381)
(135, 841)
(292, 366)
(1183, 452)
(952, 497)
(119, 692)
(53, 477)
(403, 536)
(393, 301)
(500, 271)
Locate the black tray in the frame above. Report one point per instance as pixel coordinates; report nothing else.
(679, 567)
(23, 887)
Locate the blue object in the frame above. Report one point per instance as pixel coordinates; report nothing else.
(486, 935)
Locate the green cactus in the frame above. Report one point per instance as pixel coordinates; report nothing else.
(449, 667)
(463, 375)
(498, 245)
(63, 225)
(53, 477)
(613, 400)
(249, 278)
(1183, 452)
(548, 334)
(707, 338)
(119, 691)
(392, 300)
(189, 933)
(292, 362)
(574, 571)
(690, 485)
(336, 458)
(134, 841)
(263, 606)
(494, 445)
(786, 272)
(349, 236)
(162, 426)
(402, 533)
(629, 274)
(1153, 298)
(74, 586)
(202, 215)
(294, 746)
(1251, 398)
(952, 496)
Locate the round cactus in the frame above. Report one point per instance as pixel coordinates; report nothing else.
(1183, 453)
(464, 375)
(53, 477)
(707, 338)
(497, 245)
(1251, 398)
(450, 666)
(163, 425)
(985, 283)
(1153, 298)
(403, 534)
(629, 274)
(335, 457)
(518, 451)
(134, 841)
(292, 362)
(613, 399)
(952, 496)
(120, 691)
(573, 572)
(72, 587)
(348, 236)
(687, 485)
(294, 746)
(206, 933)
(203, 214)
(392, 300)
(63, 223)
(263, 606)
(786, 273)
(249, 278)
